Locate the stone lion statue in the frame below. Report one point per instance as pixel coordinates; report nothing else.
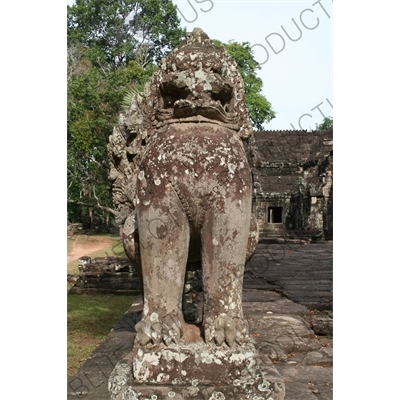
(183, 188)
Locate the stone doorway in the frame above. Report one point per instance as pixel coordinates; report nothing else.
(275, 215)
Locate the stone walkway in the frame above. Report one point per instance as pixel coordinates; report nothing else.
(302, 272)
(287, 299)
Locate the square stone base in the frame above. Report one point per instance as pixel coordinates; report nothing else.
(194, 371)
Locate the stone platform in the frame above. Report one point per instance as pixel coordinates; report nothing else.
(195, 371)
(287, 300)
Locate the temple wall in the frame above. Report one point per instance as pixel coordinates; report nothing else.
(293, 183)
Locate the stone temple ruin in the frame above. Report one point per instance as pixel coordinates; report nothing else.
(293, 183)
(194, 188)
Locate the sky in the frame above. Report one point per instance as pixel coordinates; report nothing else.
(292, 40)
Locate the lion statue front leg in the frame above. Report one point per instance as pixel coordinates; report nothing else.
(164, 240)
(224, 245)
(164, 232)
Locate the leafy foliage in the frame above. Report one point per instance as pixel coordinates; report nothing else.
(94, 103)
(260, 109)
(117, 32)
(112, 47)
(325, 124)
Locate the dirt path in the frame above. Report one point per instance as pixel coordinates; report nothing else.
(85, 245)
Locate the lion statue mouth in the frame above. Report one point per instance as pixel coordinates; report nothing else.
(210, 109)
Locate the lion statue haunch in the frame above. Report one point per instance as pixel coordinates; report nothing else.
(181, 177)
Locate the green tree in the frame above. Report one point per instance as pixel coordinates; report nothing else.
(325, 124)
(112, 48)
(117, 32)
(260, 109)
(94, 103)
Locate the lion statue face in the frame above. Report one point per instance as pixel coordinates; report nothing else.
(194, 84)
(199, 79)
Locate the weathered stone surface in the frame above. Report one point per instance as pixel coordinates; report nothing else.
(199, 371)
(322, 324)
(270, 325)
(102, 275)
(322, 357)
(282, 306)
(83, 261)
(293, 182)
(306, 381)
(183, 188)
(264, 296)
(208, 364)
(281, 335)
(304, 273)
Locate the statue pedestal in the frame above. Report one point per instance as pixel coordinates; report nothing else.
(194, 371)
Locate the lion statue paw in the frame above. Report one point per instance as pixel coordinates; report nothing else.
(155, 330)
(224, 328)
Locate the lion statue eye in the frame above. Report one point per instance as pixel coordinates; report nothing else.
(217, 69)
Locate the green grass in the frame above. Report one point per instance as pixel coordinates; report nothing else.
(90, 319)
